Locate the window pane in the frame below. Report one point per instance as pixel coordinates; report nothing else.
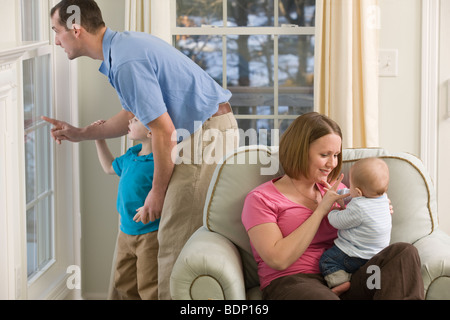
(42, 82)
(250, 73)
(28, 93)
(43, 161)
(31, 241)
(45, 231)
(195, 13)
(30, 165)
(295, 74)
(36, 97)
(299, 12)
(250, 13)
(283, 124)
(256, 131)
(30, 20)
(206, 51)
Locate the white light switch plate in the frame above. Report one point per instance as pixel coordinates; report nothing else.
(388, 63)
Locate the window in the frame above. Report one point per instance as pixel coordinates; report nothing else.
(37, 101)
(261, 50)
(38, 163)
(39, 227)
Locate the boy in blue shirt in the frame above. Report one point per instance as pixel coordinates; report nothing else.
(136, 270)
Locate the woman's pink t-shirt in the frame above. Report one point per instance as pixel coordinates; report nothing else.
(265, 204)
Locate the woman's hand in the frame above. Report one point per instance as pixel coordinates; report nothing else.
(331, 196)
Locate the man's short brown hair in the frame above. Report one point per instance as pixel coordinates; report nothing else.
(91, 15)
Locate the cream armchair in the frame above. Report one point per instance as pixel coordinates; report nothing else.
(217, 262)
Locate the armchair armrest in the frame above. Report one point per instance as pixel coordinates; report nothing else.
(208, 267)
(434, 252)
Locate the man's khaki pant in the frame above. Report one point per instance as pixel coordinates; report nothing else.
(182, 212)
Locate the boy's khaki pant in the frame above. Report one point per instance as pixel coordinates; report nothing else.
(136, 271)
(182, 213)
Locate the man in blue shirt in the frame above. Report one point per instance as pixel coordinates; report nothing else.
(167, 92)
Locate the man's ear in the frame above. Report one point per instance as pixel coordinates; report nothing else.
(76, 29)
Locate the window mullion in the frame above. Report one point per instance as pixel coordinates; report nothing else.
(224, 45)
(275, 82)
(275, 13)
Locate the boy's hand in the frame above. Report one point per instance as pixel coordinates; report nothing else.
(140, 216)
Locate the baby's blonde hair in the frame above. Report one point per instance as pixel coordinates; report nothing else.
(371, 176)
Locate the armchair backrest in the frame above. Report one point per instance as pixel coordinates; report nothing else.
(410, 190)
(238, 174)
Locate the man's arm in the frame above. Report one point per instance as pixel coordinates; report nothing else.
(112, 128)
(162, 144)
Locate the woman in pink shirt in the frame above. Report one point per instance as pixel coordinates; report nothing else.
(286, 220)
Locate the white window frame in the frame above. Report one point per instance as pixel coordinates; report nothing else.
(159, 11)
(51, 282)
(430, 86)
(43, 50)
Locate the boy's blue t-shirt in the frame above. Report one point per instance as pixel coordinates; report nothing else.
(136, 177)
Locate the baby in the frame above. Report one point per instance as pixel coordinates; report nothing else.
(364, 226)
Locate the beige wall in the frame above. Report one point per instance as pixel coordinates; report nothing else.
(399, 97)
(99, 217)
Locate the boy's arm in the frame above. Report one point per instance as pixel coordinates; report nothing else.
(104, 156)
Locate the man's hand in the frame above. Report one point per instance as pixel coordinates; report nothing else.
(154, 204)
(63, 131)
(151, 210)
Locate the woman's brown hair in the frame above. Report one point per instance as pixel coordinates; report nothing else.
(296, 141)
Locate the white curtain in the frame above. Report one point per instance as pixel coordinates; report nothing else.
(346, 68)
(137, 18)
(137, 15)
